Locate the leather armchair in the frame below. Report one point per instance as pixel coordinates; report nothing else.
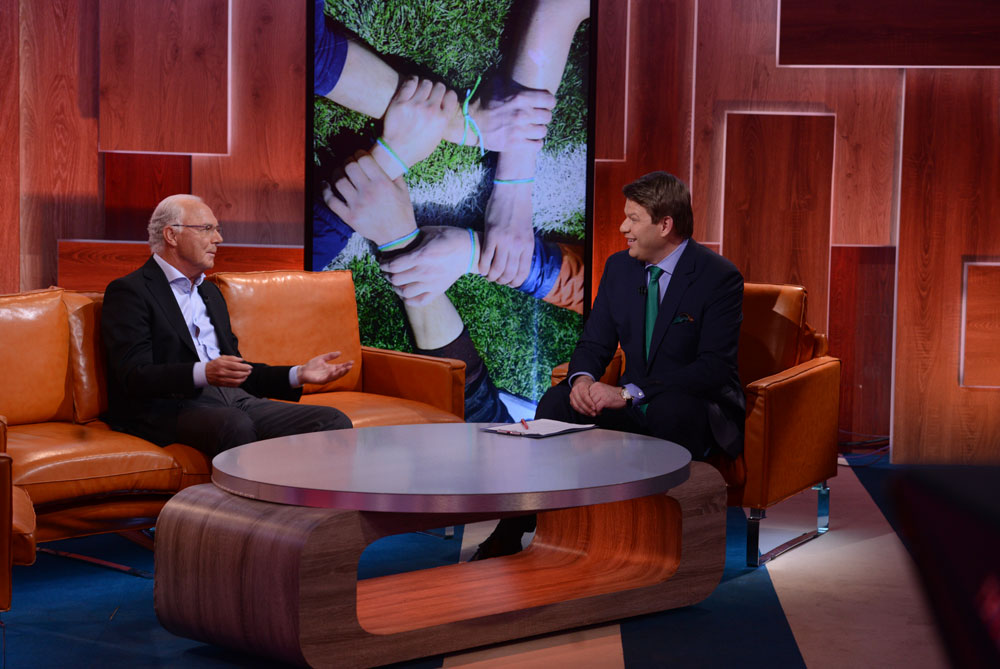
(793, 393)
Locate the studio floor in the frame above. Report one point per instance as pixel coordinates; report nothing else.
(850, 598)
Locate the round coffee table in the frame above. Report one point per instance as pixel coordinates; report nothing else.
(265, 558)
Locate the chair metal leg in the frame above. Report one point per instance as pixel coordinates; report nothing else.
(755, 559)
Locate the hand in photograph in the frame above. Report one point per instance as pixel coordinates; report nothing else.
(374, 205)
(415, 121)
(444, 254)
(521, 116)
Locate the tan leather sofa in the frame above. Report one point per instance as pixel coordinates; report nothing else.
(72, 475)
(793, 394)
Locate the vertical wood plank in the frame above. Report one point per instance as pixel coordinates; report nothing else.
(736, 72)
(950, 203)
(60, 194)
(134, 183)
(659, 102)
(981, 363)
(776, 216)
(890, 32)
(164, 75)
(10, 160)
(862, 287)
(257, 191)
(611, 93)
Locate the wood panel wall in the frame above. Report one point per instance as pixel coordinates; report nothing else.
(950, 205)
(776, 205)
(651, 51)
(134, 183)
(257, 190)
(981, 325)
(60, 180)
(164, 76)
(10, 163)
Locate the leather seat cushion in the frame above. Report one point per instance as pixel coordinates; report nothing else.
(22, 527)
(369, 409)
(196, 467)
(57, 462)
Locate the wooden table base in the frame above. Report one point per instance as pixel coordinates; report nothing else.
(281, 581)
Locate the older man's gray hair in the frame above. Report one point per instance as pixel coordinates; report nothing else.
(169, 212)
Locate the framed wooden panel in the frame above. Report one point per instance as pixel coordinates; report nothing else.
(257, 190)
(164, 76)
(60, 184)
(736, 72)
(943, 33)
(981, 325)
(776, 215)
(950, 203)
(10, 159)
(134, 183)
(611, 94)
(862, 290)
(93, 264)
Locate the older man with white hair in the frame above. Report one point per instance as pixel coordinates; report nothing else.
(175, 372)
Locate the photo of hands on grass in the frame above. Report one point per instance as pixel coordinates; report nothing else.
(449, 174)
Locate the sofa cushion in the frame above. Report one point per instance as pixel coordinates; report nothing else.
(86, 355)
(287, 317)
(773, 318)
(369, 409)
(59, 462)
(34, 358)
(196, 467)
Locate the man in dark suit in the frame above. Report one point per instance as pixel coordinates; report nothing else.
(680, 381)
(174, 368)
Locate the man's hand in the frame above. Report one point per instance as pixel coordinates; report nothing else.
(374, 206)
(520, 117)
(228, 371)
(414, 122)
(604, 396)
(579, 396)
(422, 274)
(320, 371)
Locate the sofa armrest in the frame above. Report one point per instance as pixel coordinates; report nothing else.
(3, 434)
(6, 536)
(791, 431)
(611, 375)
(439, 382)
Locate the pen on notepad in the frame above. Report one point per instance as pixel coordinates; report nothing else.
(524, 423)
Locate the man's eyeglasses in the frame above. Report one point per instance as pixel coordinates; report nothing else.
(207, 228)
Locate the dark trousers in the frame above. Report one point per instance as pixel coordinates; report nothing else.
(674, 416)
(222, 418)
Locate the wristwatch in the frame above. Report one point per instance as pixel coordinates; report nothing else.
(626, 395)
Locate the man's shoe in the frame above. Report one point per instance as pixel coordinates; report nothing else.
(497, 545)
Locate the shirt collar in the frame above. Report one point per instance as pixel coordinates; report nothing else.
(174, 274)
(669, 264)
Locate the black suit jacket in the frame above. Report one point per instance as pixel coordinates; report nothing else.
(695, 337)
(151, 355)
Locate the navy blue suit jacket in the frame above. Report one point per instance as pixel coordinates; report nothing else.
(151, 355)
(695, 337)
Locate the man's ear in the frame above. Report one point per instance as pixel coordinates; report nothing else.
(169, 235)
(666, 225)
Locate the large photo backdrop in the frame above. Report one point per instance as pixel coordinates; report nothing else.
(495, 275)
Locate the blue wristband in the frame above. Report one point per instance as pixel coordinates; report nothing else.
(393, 154)
(399, 242)
(472, 253)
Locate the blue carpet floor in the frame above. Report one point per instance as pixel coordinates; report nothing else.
(68, 613)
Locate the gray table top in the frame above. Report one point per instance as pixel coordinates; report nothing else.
(450, 468)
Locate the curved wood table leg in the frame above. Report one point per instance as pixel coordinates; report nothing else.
(282, 581)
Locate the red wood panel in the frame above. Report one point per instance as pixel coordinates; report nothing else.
(736, 72)
(257, 190)
(164, 75)
(611, 94)
(890, 32)
(776, 218)
(60, 194)
(949, 206)
(659, 102)
(10, 161)
(981, 365)
(862, 288)
(92, 265)
(134, 183)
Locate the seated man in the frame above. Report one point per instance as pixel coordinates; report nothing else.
(675, 309)
(174, 368)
